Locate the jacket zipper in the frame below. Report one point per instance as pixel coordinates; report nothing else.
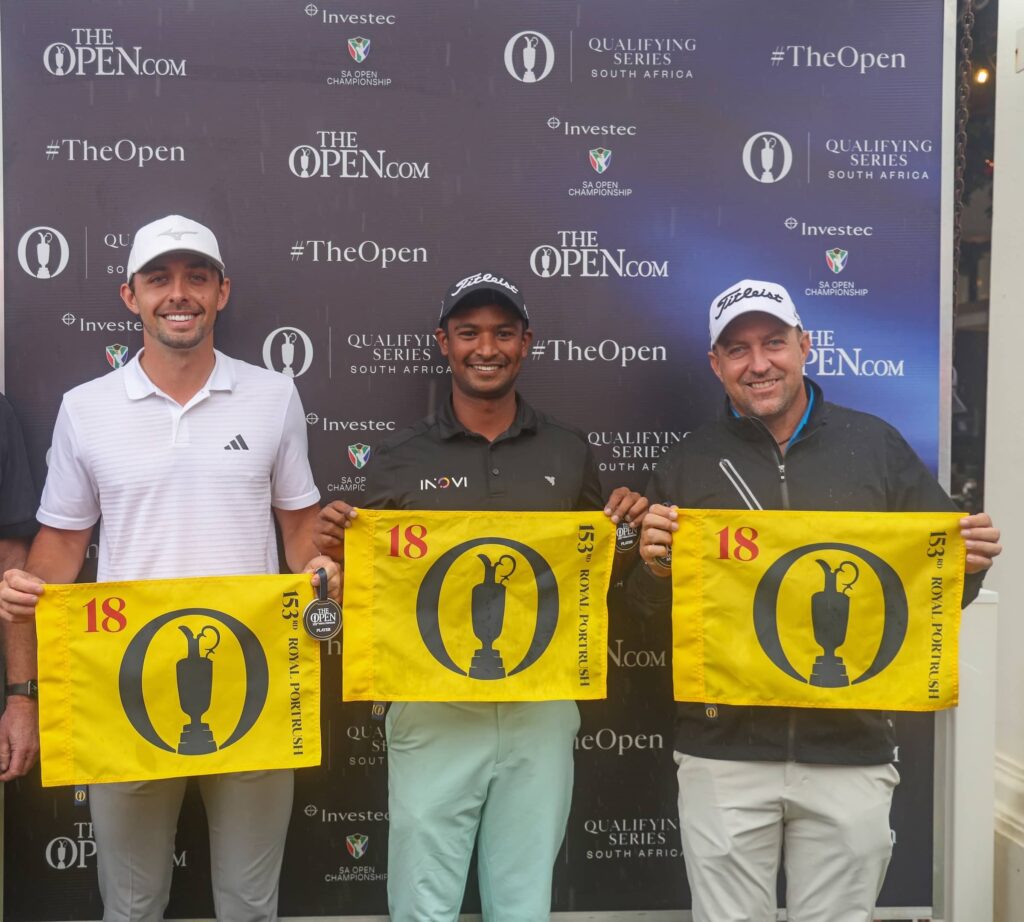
(780, 464)
(784, 489)
(780, 461)
(783, 486)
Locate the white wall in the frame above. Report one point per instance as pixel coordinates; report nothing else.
(1004, 468)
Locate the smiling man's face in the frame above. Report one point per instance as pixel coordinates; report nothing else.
(177, 297)
(760, 362)
(485, 347)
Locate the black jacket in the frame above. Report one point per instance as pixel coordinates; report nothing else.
(841, 460)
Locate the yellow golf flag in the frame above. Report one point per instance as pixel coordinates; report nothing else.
(476, 606)
(174, 677)
(817, 609)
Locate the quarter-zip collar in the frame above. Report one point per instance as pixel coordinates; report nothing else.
(753, 429)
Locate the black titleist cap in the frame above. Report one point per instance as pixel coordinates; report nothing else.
(504, 291)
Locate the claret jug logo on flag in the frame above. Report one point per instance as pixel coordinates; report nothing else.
(476, 606)
(817, 609)
(165, 678)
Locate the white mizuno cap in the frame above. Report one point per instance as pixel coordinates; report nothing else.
(173, 234)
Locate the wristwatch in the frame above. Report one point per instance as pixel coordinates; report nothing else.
(29, 689)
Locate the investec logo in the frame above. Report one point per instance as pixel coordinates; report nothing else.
(92, 53)
(577, 129)
(338, 155)
(351, 19)
(829, 230)
(347, 816)
(328, 424)
(578, 254)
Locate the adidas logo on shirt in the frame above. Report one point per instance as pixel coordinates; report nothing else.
(236, 444)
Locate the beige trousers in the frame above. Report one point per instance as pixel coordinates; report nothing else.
(829, 824)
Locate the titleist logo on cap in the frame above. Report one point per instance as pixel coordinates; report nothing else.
(741, 294)
(483, 277)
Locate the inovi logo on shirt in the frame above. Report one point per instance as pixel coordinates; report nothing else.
(444, 482)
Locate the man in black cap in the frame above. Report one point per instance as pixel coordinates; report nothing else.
(497, 775)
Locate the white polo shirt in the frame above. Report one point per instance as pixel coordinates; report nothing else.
(181, 490)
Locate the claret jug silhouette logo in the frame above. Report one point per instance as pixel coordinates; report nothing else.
(219, 708)
(843, 634)
(468, 617)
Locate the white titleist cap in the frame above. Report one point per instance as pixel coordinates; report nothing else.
(173, 234)
(750, 295)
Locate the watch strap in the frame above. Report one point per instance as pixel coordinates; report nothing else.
(29, 689)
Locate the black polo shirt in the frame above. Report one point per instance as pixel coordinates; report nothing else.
(538, 464)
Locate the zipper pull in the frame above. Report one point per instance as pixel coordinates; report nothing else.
(782, 472)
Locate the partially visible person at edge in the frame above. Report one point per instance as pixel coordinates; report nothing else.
(495, 775)
(19, 739)
(210, 452)
(815, 785)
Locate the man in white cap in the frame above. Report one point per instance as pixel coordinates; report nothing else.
(186, 457)
(815, 785)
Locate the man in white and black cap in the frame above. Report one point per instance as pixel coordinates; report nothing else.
(815, 785)
(495, 775)
(209, 452)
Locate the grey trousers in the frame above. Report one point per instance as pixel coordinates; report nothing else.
(830, 822)
(135, 823)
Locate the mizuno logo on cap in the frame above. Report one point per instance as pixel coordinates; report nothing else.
(177, 235)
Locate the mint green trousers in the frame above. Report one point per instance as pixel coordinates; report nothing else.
(497, 775)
